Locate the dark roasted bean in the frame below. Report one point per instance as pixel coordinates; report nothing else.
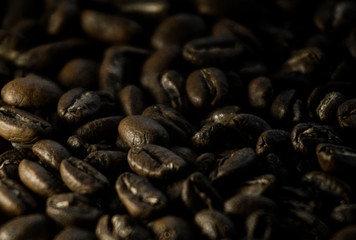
(171, 227)
(211, 135)
(78, 105)
(260, 92)
(146, 9)
(173, 84)
(71, 209)
(274, 141)
(259, 186)
(346, 115)
(22, 127)
(344, 214)
(327, 109)
(39, 180)
(81, 177)
(15, 200)
(132, 100)
(30, 227)
(10, 160)
(139, 196)
(50, 152)
(348, 232)
(153, 161)
(137, 130)
(74, 233)
(262, 224)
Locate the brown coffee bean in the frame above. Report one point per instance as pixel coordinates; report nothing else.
(132, 100)
(171, 227)
(74, 233)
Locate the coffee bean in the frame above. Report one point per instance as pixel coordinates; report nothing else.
(171, 227)
(262, 224)
(137, 130)
(132, 100)
(263, 185)
(344, 214)
(22, 127)
(71, 209)
(139, 196)
(260, 92)
(78, 105)
(15, 199)
(172, 83)
(211, 135)
(274, 141)
(347, 232)
(345, 114)
(31, 227)
(74, 233)
(327, 109)
(10, 160)
(50, 152)
(81, 177)
(39, 179)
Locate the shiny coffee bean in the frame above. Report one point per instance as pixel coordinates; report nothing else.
(22, 127)
(10, 159)
(224, 115)
(131, 99)
(178, 127)
(210, 136)
(346, 116)
(137, 130)
(31, 91)
(109, 28)
(74, 233)
(198, 193)
(81, 177)
(50, 152)
(71, 209)
(260, 186)
(78, 105)
(39, 180)
(177, 30)
(171, 227)
(153, 161)
(215, 224)
(327, 109)
(140, 198)
(172, 83)
(15, 200)
(274, 141)
(121, 227)
(206, 87)
(30, 227)
(306, 136)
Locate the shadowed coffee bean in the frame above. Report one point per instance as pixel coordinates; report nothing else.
(171, 227)
(75, 233)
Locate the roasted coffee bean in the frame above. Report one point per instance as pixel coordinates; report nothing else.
(306, 136)
(146, 9)
(211, 135)
(78, 105)
(30, 227)
(137, 130)
(71, 209)
(99, 129)
(206, 87)
(121, 227)
(330, 186)
(109, 28)
(9, 161)
(215, 224)
(213, 51)
(74, 233)
(235, 164)
(171, 227)
(346, 116)
(224, 115)
(79, 73)
(198, 193)
(336, 158)
(348, 232)
(344, 214)
(173, 84)
(274, 141)
(205, 163)
(50, 152)
(262, 224)
(260, 186)
(132, 100)
(327, 109)
(15, 199)
(22, 127)
(186, 153)
(177, 30)
(260, 92)
(81, 177)
(39, 179)
(139, 196)
(153, 161)
(179, 129)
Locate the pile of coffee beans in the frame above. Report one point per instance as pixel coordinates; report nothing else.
(178, 119)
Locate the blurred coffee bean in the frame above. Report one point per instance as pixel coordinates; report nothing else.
(74, 233)
(137, 130)
(132, 100)
(346, 116)
(30, 227)
(140, 198)
(31, 91)
(205, 163)
(50, 152)
(213, 51)
(109, 28)
(78, 105)
(173, 84)
(348, 232)
(153, 161)
(81, 177)
(22, 127)
(306, 136)
(178, 128)
(327, 109)
(344, 214)
(144, 8)
(79, 73)
(260, 92)
(261, 224)
(71, 209)
(171, 227)
(120, 227)
(15, 199)
(215, 224)
(263, 185)
(39, 180)
(198, 193)
(177, 30)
